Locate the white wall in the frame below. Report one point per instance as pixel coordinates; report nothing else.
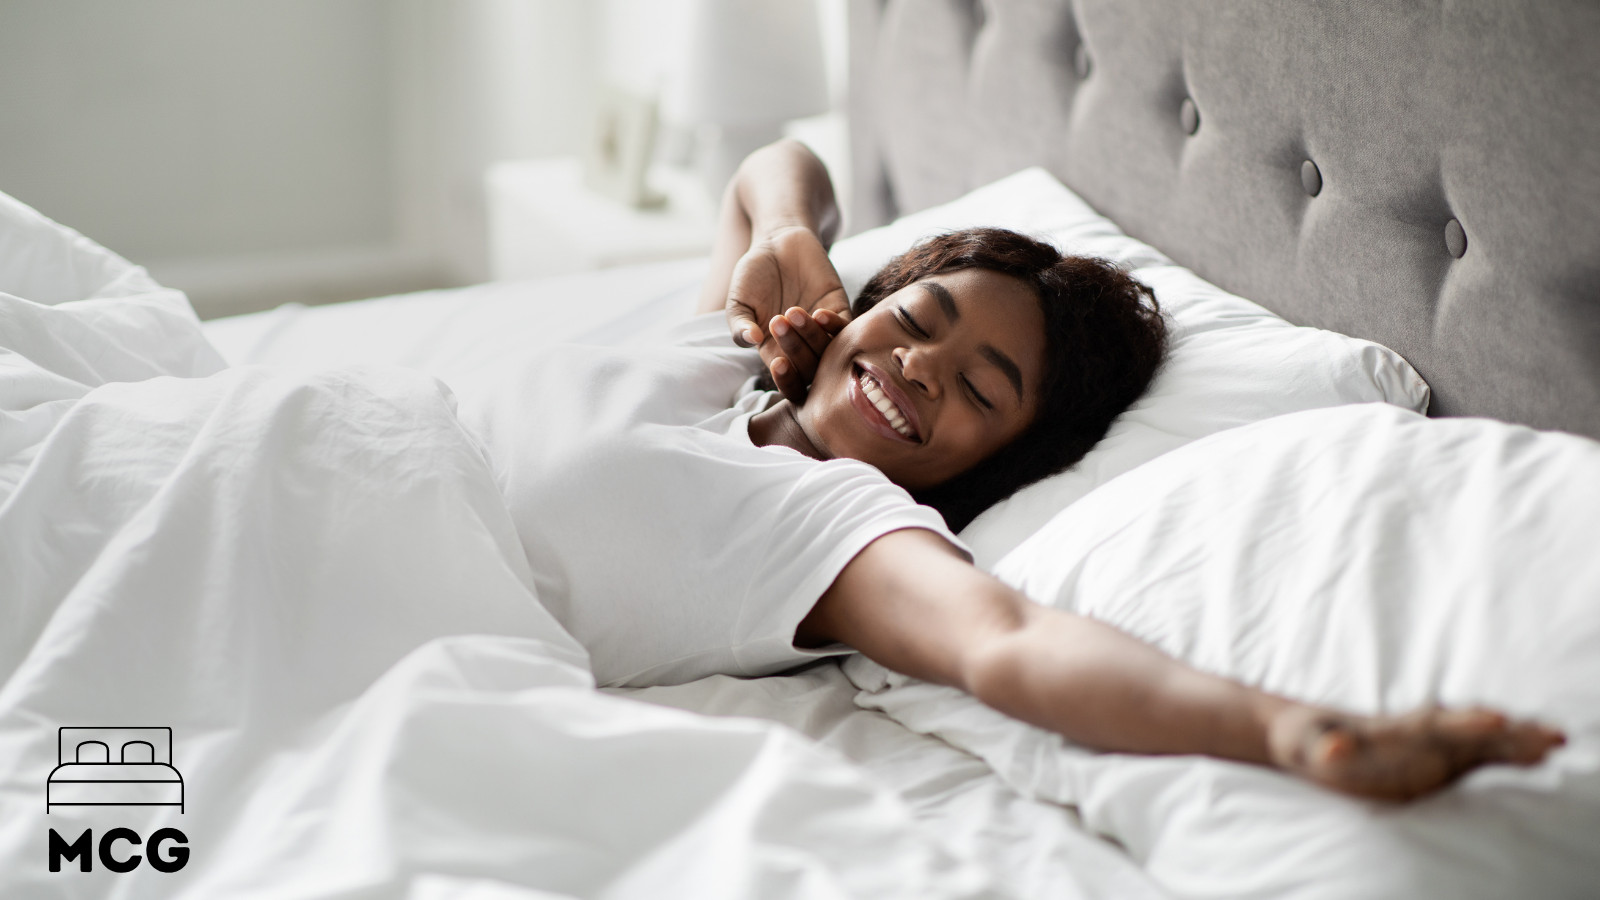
(256, 151)
(157, 124)
(253, 152)
(478, 81)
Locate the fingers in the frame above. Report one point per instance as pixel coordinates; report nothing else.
(816, 330)
(800, 336)
(1492, 736)
(788, 381)
(831, 322)
(742, 324)
(781, 271)
(799, 342)
(756, 280)
(1407, 756)
(1526, 743)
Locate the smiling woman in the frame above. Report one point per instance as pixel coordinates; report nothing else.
(977, 362)
(1102, 339)
(919, 397)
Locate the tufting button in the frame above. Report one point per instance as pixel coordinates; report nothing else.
(1080, 61)
(1189, 116)
(1455, 238)
(1310, 178)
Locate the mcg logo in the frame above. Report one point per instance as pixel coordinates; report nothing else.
(141, 775)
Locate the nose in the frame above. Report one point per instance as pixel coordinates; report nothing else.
(919, 367)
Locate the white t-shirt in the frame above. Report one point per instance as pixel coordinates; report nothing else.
(664, 540)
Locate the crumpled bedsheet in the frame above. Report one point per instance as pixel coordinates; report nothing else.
(312, 580)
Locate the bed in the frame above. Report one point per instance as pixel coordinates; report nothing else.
(1353, 215)
(141, 774)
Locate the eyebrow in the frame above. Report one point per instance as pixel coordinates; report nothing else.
(1004, 364)
(947, 305)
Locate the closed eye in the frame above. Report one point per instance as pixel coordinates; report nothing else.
(981, 399)
(910, 324)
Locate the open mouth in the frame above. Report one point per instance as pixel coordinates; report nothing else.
(873, 392)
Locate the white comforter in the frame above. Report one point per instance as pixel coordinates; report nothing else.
(312, 580)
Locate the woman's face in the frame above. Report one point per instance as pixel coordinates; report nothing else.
(932, 380)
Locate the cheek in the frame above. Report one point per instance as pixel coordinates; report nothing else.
(970, 441)
(975, 437)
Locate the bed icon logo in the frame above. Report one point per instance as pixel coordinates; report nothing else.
(114, 767)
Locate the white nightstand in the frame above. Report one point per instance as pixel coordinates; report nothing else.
(543, 221)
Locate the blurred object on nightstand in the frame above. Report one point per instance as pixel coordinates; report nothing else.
(617, 164)
(544, 221)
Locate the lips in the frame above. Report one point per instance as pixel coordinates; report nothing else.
(883, 404)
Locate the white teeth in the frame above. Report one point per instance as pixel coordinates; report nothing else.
(884, 405)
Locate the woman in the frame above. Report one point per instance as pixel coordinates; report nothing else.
(951, 397)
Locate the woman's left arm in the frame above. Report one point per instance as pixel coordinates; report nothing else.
(911, 602)
(770, 273)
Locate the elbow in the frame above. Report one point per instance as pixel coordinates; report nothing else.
(991, 666)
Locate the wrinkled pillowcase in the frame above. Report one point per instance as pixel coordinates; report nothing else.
(1232, 362)
(1364, 557)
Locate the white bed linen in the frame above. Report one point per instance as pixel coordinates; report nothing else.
(312, 580)
(451, 332)
(1032, 849)
(1363, 557)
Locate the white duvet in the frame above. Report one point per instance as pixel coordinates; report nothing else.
(312, 580)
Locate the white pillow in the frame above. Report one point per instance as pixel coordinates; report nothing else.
(1232, 362)
(1364, 557)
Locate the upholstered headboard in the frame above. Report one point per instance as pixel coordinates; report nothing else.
(1425, 174)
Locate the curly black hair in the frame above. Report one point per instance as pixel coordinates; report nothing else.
(1105, 337)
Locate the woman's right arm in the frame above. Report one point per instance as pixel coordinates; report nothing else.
(910, 602)
(777, 221)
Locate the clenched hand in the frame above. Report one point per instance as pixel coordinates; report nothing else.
(786, 281)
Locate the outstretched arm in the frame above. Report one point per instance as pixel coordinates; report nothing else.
(777, 221)
(910, 602)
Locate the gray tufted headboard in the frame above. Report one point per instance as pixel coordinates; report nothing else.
(1425, 174)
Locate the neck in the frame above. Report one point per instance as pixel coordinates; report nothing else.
(780, 425)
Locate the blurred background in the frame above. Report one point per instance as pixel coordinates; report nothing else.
(256, 152)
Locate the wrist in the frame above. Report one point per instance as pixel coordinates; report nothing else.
(771, 228)
(1288, 725)
(784, 185)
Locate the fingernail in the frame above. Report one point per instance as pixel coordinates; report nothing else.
(752, 336)
(780, 327)
(780, 366)
(796, 318)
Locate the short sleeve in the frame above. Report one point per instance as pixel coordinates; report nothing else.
(835, 510)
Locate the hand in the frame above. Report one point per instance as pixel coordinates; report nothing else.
(794, 347)
(1403, 757)
(787, 269)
